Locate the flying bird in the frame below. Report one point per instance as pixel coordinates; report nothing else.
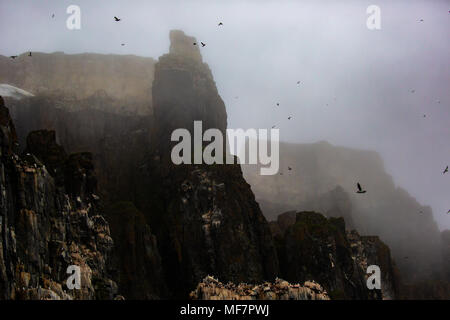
(117, 19)
(298, 82)
(412, 91)
(273, 127)
(445, 170)
(203, 44)
(53, 15)
(289, 168)
(278, 104)
(360, 190)
(13, 57)
(220, 24)
(289, 118)
(122, 44)
(448, 211)
(195, 43)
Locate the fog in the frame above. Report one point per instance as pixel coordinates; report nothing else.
(385, 90)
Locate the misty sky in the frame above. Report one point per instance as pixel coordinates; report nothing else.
(356, 84)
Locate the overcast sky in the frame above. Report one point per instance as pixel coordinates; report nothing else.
(356, 84)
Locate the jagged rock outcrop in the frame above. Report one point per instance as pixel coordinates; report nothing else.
(182, 71)
(172, 225)
(317, 248)
(212, 289)
(370, 250)
(406, 226)
(47, 225)
(209, 221)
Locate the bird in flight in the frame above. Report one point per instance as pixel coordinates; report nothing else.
(203, 44)
(360, 190)
(273, 126)
(195, 43)
(289, 118)
(220, 24)
(448, 211)
(117, 19)
(298, 82)
(53, 15)
(289, 168)
(278, 104)
(412, 91)
(122, 44)
(13, 57)
(445, 170)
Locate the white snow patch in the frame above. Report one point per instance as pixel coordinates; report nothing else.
(7, 90)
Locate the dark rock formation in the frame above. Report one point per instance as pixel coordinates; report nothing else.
(182, 71)
(135, 253)
(209, 221)
(406, 226)
(44, 228)
(316, 248)
(370, 250)
(212, 289)
(172, 225)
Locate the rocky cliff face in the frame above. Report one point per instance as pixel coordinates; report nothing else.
(49, 221)
(323, 179)
(312, 247)
(113, 83)
(171, 225)
(209, 221)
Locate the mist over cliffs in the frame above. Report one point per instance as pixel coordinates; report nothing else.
(118, 83)
(172, 226)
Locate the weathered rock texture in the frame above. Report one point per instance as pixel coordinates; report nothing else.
(171, 225)
(312, 247)
(135, 253)
(212, 289)
(209, 221)
(320, 169)
(49, 220)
